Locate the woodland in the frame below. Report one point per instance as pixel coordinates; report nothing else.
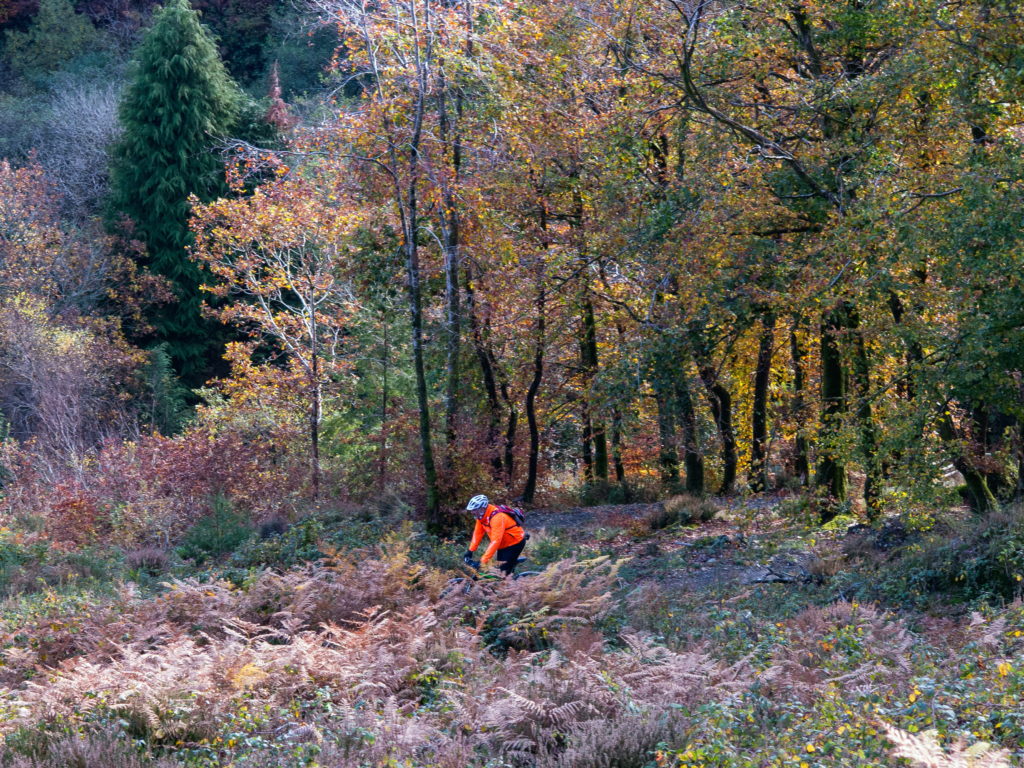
(728, 297)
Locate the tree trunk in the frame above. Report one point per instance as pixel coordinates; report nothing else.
(801, 461)
(991, 425)
(531, 395)
(448, 214)
(905, 384)
(979, 495)
(668, 457)
(405, 176)
(1018, 451)
(597, 437)
(385, 364)
(487, 370)
(620, 470)
(861, 380)
(720, 401)
(315, 404)
(586, 443)
(422, 398)
(693, 459)
(314, 424)
(759, 418)
(831, 470)
(453, 326)
(510, 439)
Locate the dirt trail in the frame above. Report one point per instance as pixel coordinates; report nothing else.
(587, 517)
(708, 555)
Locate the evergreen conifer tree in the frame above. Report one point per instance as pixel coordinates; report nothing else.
(56, 36)
(179, 103)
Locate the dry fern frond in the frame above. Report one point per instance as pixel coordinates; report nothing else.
(803, 667)
(924, 751)
(987, 634)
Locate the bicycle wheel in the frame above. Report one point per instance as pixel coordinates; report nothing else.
(454, 585)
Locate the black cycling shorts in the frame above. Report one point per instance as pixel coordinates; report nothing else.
(508, 557)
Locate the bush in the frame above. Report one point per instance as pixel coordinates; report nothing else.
(681, 510)
(220, 532)
(148, 560)
(20, 559)
(298, 543)
(799, 508)
(275, 526)
(543, 549)
(966, 560)
(37, 749)
(29, 563)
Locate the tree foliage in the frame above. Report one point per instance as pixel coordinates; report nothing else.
(179, 105)
(56, 36)
(641, 246)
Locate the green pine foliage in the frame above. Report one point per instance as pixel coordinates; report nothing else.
(179, 104)
(56, 36)
(168, 408)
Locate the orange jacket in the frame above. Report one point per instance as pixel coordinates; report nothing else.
(500, 528)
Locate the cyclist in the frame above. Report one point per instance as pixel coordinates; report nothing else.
(505, 532)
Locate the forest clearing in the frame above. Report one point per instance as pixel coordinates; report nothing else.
(511, 383)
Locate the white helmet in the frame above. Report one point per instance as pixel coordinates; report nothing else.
(477, 504)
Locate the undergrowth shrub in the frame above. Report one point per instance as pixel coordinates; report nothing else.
(526, 614)
(546, 706)
(355, 659)
(799, 507)
(148, 560)
(243, 446)
(925, 751)
(18, 555)
(629, 741)
(327, 533)
(297, 544)
(545, 548)
(966, 560)
(681, 510)
(812, 510)
(111, 749)
(30, 563)
(221, 531)
(390, 506)
(562, 707)
(844, 644)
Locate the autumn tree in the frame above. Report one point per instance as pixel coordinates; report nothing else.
(407, 141)
(280, 257)
(67, 376)
(758, 245)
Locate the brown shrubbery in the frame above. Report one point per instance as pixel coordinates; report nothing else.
(802, 669)
(369, 658)
(150, 491)
(243, 447)
(681, 510)
(372, 633)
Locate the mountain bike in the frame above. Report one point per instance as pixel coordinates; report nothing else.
(478, 577)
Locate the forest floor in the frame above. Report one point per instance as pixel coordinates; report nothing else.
(738, 546)
(754, 639)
